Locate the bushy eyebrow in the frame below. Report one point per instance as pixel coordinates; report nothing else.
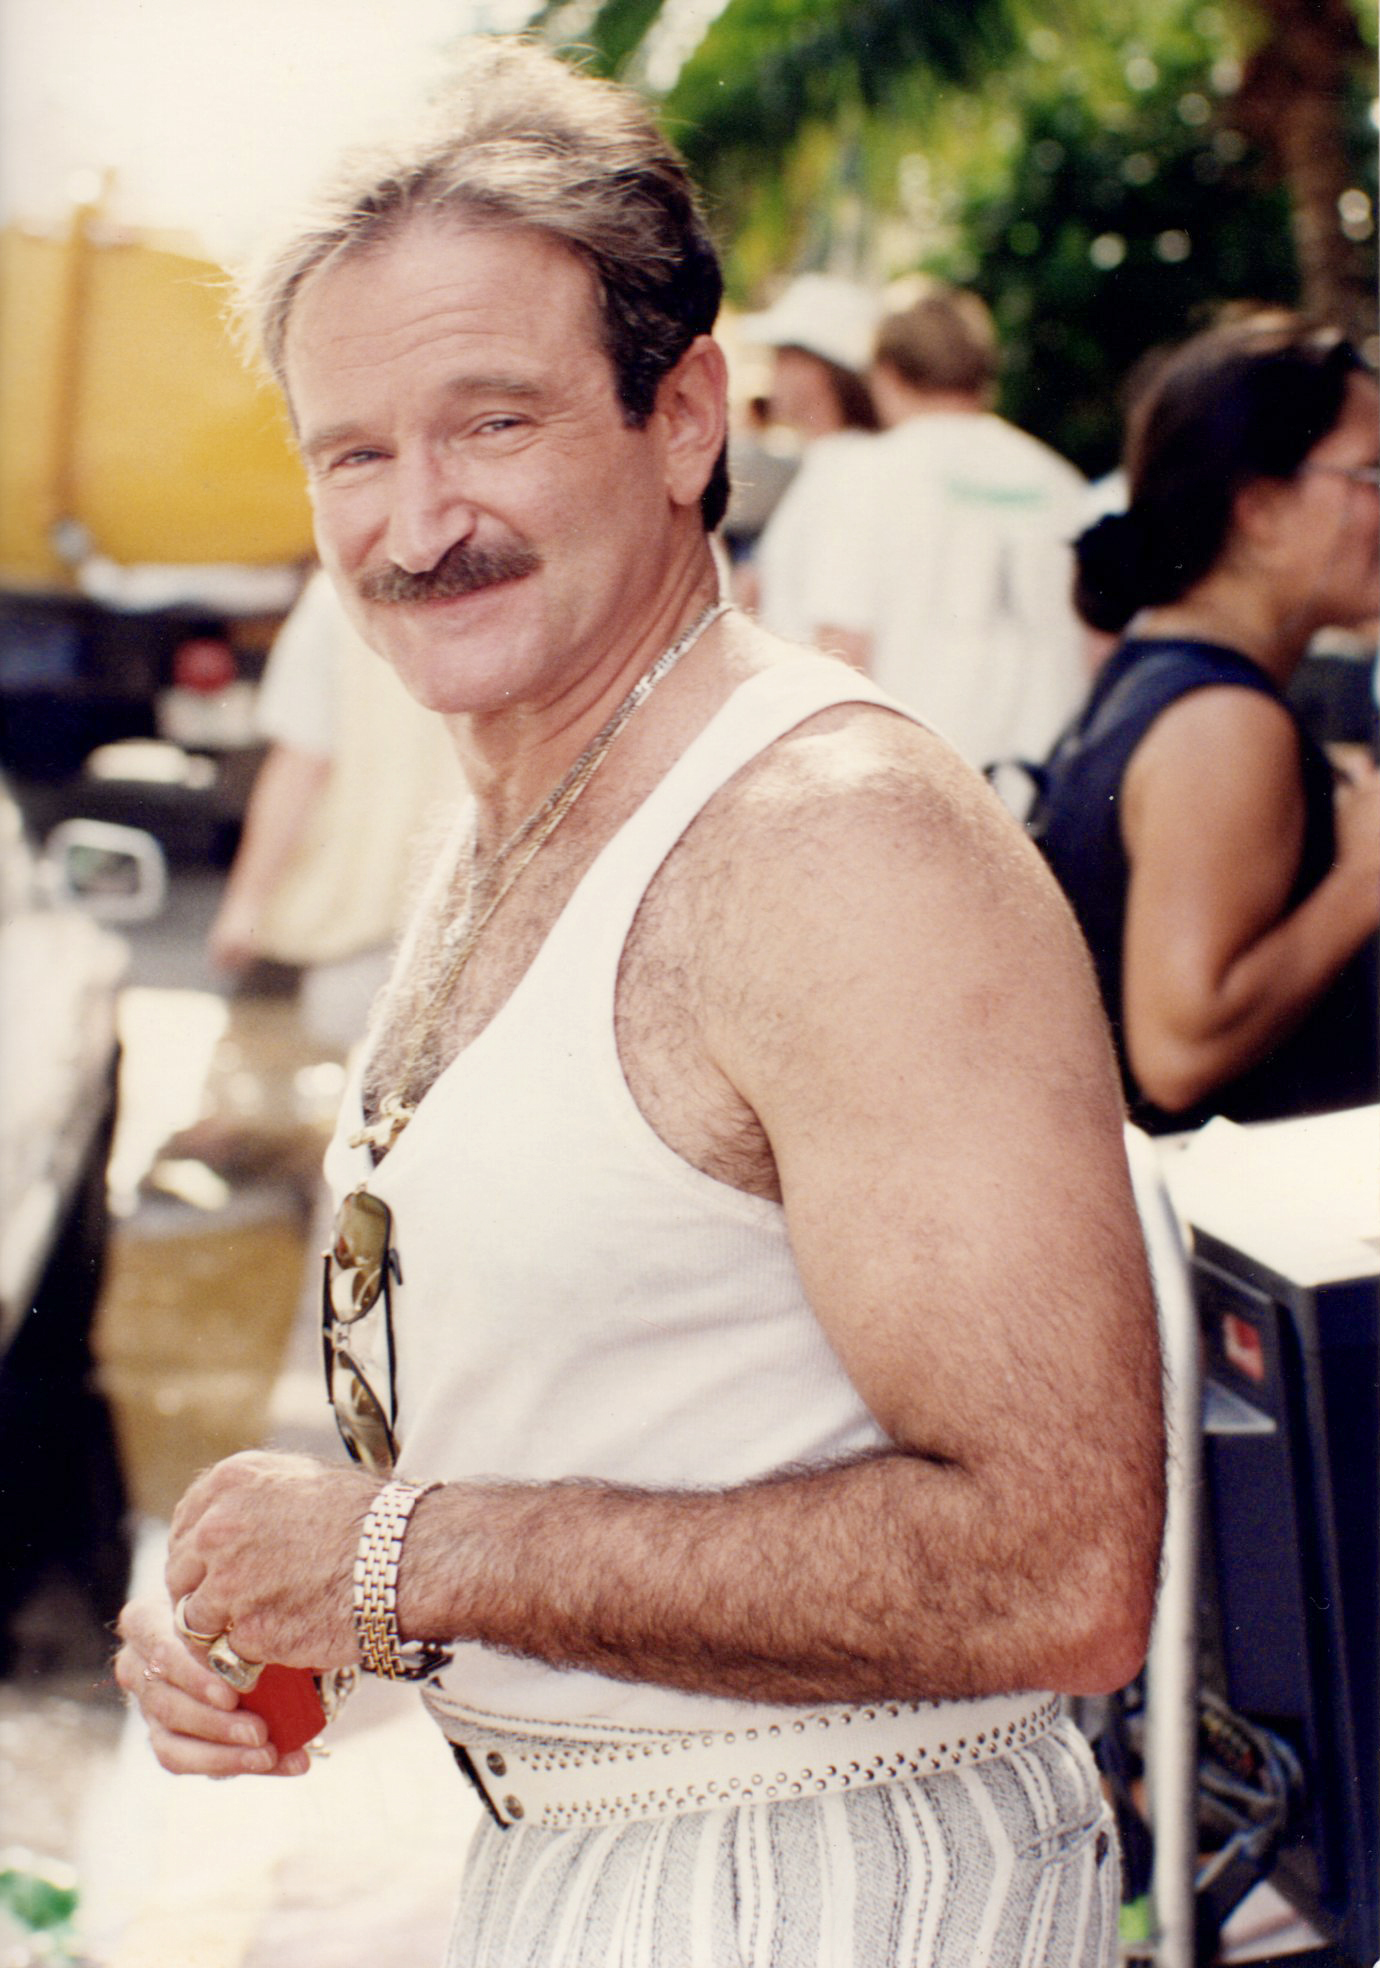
(520, 386)
(328, 439)
(512, 389)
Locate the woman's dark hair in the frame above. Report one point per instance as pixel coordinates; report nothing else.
(1246, 400)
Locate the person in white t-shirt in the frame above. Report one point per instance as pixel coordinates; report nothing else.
(355, 774)
(945, 567)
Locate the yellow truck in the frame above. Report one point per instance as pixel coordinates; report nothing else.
(153, 522)
(125, 407)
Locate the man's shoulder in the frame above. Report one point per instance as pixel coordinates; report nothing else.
(947, 443)
(833, 451)
(859, 844)
(1032, 453)
(840, 465)
(853, 782)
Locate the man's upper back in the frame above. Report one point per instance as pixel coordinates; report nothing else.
(961, 578)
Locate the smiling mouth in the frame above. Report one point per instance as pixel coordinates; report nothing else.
(464, 570)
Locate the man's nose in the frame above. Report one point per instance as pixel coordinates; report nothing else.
(429, 512)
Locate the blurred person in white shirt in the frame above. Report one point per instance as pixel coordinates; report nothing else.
(946, 571)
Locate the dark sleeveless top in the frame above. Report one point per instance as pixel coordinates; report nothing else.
(1330, 1059)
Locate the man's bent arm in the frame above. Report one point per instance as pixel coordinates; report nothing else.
(821, 1586)
(901, 998)
(930, 1064)
(289, 783)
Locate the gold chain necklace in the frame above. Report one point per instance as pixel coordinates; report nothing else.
(517, 853)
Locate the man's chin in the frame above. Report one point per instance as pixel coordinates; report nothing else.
(454, 656)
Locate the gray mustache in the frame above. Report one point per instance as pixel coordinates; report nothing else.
(463, 569)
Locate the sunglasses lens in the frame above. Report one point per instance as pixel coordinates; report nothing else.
(352, 1292)
(356, 1271)
(361, 1421)
(358, 1255)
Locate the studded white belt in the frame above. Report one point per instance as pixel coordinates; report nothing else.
(579, 1778)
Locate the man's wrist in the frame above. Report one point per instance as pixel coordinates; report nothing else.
(378, 1559)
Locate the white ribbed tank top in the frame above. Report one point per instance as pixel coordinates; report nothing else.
(576, 1300)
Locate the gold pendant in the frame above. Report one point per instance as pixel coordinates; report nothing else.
(393, 1116)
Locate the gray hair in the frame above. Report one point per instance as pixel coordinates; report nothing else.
(516, 138)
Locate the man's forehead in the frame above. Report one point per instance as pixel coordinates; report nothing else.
(449, 269)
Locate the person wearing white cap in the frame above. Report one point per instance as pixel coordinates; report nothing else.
(821, 331)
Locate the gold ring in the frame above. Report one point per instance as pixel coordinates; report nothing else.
(190, 1632)
(241, 1674)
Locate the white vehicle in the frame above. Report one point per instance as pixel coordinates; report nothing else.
(61, 968)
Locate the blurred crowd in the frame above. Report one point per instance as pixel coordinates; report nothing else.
(1122, 658)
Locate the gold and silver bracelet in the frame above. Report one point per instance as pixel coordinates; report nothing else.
(376, 1589)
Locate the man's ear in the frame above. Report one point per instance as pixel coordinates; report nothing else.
(692, 406)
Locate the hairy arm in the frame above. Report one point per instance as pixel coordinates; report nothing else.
(898, 997)
(895, 996)
(1216, 968)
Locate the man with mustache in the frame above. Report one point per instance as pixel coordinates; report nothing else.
(462, 569)
(737, 1307)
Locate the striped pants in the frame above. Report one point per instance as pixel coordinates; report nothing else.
(1008, 1864)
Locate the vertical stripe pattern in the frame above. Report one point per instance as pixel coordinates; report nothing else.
(1006, 1864)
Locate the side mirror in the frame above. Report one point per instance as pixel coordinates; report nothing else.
(116, 874)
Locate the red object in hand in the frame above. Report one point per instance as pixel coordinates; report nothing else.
(290, 1702)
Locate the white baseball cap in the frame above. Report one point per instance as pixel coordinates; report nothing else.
(822, 314)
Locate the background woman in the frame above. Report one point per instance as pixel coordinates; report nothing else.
(1226, 873)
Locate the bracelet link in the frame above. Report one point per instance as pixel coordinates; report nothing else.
(375, 1589)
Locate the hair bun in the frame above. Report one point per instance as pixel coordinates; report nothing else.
(1110, 586)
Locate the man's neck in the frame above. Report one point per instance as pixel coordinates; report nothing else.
(514, 759)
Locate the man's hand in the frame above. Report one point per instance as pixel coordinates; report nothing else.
(195, 1723)
(263, 1548)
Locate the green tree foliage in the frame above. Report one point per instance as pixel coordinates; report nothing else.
(768, 67)
(1095, 168)
(1129, 209)
(606, 37)
(1134, 203)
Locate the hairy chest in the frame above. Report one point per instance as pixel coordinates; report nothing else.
(669, 999)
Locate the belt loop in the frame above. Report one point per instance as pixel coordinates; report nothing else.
(466, 1763)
